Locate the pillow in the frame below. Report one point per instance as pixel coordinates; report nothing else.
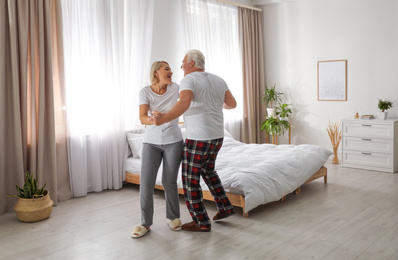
(227, 134)
(135, 143)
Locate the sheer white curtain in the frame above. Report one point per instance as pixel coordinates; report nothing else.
(212, 27)
(107, 53)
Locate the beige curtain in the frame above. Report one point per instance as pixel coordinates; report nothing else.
(32, 122)
(251, 43)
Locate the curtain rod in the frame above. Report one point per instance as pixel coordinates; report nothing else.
(241, 5)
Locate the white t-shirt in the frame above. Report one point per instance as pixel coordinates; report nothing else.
(169, 132)
(204, 118)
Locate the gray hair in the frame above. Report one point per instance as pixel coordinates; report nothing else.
(155, 66)
(196, 56)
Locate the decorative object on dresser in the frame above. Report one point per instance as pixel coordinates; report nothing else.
(33, 204)
(383, 105)
(335, 137)
(367, 117)
(370, 145)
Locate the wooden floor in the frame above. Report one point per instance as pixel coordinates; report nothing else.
(353, 216)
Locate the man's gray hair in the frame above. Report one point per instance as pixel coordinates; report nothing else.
(196, 56)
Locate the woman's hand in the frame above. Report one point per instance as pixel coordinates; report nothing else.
(156, 115)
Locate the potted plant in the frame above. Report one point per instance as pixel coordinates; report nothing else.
(271, 97)
(383, 105)
(34, 204)
(283, 111)
(274, 126)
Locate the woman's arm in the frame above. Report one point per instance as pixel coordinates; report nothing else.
(144, 118)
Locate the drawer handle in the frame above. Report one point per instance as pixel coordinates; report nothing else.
(366, 153)
(366, 139)
(367, 125)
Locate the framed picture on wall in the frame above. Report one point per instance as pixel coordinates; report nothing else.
(332, 80)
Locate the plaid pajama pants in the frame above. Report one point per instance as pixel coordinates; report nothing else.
(198, 160)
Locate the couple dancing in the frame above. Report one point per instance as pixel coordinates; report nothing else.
(200, 97)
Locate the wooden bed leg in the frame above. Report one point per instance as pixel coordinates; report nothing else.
(298, 190)
(325, 178)
(284, 199)
(243, 205)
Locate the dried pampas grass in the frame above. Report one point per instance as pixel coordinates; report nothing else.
(335, 137)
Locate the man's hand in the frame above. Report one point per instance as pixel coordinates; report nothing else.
(156, 115)
(159, 121)
(229, 101)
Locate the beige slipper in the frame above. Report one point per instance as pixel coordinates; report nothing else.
(139, 231)
(175, 224)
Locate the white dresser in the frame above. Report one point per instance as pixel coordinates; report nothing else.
(370, 144)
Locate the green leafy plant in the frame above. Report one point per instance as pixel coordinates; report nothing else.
(384, 105)
(29, 189)
(274, 126)
(283, 111)
(271, 96)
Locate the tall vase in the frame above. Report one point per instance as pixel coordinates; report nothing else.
(335, 159)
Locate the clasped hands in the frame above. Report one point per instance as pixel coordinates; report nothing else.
(156, 117)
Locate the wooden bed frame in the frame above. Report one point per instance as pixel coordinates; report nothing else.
(236, 200)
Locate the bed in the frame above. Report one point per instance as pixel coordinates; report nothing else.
(252, 174)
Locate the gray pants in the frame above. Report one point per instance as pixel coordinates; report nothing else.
(152, 156)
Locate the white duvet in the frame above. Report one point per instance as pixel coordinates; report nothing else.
(262, 173)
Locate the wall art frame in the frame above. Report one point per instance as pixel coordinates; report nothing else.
(332, 80)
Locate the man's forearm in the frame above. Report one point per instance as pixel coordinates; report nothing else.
(179, 108)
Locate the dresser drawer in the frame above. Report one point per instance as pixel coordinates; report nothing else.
(368, 130)
(368, 159)
(368, 144)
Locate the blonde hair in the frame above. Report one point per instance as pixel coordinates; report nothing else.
(155, 66)
(196, 56)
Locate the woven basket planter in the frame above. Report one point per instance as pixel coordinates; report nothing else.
(32, 210)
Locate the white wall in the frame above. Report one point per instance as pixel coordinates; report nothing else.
(299, 33)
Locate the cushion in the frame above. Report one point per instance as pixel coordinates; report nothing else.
(135, 143)
(227, 134)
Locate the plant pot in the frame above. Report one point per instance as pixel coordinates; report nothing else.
(271, 111)
(32, 210)
(382, 115)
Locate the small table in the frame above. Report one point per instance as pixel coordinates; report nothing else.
(275, 138)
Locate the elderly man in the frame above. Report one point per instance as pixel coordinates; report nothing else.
(202, 97)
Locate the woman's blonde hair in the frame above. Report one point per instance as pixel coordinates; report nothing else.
(155, 66)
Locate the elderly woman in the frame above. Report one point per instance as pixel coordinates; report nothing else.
(161, 143)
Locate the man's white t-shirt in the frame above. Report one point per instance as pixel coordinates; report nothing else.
(169, 132)
(204, 118)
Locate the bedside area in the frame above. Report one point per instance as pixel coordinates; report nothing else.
(370, 144)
